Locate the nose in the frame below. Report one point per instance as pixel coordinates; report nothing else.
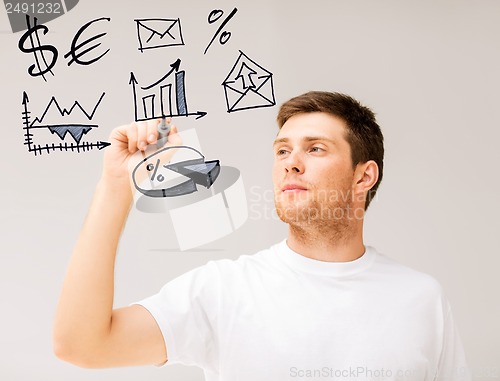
(294, 163)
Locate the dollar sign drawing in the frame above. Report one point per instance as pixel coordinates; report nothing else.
(37, 49)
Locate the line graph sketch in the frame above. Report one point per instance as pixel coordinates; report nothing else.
(157, 99)
(248, 85)
(159, 33)
(53, 120)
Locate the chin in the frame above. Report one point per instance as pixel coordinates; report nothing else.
(294, 213)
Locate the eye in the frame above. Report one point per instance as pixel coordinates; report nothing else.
(316, 149)
(280, 150)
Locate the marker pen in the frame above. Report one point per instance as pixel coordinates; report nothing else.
(163, 130)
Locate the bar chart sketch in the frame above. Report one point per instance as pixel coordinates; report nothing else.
(54, 120)
(165, 97)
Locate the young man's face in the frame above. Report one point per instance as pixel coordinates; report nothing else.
(312, 172)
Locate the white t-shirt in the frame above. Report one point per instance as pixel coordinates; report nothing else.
(277, 315)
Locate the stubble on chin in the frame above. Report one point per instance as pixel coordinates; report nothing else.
(333, 217)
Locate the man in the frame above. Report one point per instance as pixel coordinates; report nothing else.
(319, 304)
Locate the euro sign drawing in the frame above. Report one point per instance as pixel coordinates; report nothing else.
(41, 65)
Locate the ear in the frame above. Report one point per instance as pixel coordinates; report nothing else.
(365, 177)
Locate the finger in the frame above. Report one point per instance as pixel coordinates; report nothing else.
(173, 136)
(119, 134)
(132, 137)
(142, 130)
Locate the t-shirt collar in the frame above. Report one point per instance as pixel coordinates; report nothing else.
(304, 264)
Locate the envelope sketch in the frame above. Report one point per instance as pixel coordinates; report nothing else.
(159, 33)
(248, 85)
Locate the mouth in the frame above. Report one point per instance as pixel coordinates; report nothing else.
(293, 188)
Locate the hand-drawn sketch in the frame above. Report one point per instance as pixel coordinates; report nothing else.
(76, 130)
(199, 217)
(41, 65)
(75, 46)
(224, 37)
(157, 101)
(192, 172)
(248, 85)
(38, 49)
(159, 33)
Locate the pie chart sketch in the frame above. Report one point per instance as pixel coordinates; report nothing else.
(176, 179)
(200, 217)
(195, 201)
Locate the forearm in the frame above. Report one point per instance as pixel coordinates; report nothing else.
(83, 317)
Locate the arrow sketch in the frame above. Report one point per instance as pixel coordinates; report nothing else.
(245, 74)
(199, 171)
(248, 85)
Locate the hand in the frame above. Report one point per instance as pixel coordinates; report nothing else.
(126, 141)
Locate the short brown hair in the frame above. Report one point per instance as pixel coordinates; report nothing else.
(363, 133)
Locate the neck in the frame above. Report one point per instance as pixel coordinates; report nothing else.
(328, 244)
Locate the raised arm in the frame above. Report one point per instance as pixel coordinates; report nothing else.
(87, 331)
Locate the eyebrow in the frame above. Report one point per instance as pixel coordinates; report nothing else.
(307, 139)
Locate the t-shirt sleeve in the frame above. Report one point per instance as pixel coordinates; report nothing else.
(452, 362)
(186, 310)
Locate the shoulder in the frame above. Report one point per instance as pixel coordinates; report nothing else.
(258, 262)
(407, 278)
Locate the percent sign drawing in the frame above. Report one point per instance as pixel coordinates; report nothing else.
(214, 16)
(154, 168)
